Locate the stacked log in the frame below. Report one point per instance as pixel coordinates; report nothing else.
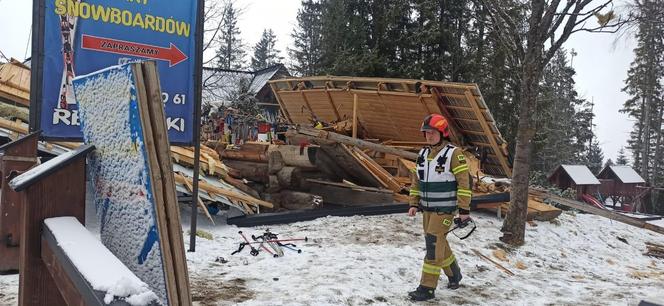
(282, 169)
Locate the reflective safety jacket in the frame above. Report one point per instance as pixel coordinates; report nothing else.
(442, 181)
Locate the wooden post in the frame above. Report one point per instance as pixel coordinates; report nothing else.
(53, 189)
(354, 115)
(17, 156)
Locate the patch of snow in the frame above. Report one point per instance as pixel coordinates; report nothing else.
(97, 264)
(659, 222)
(375, 260)
(578, 259)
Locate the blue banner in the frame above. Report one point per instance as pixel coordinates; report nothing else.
(83, 36)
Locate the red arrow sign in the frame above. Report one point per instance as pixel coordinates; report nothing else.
(173, 55)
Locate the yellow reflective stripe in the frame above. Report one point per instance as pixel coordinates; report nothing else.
(431, 269)
(447, 262)
(414, 192)
(413, 170)
(460, 169)
(464, 193)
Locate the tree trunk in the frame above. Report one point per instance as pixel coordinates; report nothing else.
(296, 200)
(514, 225)
(658, 152)
(292, 157)
(645, 149)
(275, 162)
(256, 172)
(289, 177)
(244, 155)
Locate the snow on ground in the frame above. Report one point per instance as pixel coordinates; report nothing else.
(577, 259)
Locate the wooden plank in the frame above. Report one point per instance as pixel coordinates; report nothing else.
(325, 135)
(306, 102)
(501, 267)
(157, 186)
(385, 177)
(160, 132)
(460, 108)
(187, 185)
(227, 193)
(354, 115)
(70, 294)
(350, 186)
(364, 165)
(405, 167)
(334, 107)
(350, 197)
(488, 131)
(597, 211)
(351, 167)
(207, 162)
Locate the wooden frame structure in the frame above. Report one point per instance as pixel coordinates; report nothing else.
(393, 109)
(623, 192)
(17, 157)
(15, 82)
(55, 188)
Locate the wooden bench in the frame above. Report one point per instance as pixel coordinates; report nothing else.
(52, 272)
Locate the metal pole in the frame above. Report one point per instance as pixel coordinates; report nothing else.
(36, 62)
(197, 121)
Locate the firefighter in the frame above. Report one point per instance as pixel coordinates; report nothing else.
(440, 189)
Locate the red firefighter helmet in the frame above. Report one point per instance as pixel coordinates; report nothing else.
(436, 122)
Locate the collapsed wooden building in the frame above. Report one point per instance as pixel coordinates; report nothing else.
(360, 157)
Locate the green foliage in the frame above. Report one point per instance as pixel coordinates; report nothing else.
(231, 49)
(622, 159)
(265, 51)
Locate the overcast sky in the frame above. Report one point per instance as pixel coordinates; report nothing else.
(601, 62)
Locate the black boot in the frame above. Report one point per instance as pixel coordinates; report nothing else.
(456, 276)
(422, 294)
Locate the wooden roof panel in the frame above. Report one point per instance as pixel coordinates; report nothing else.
(390, 109)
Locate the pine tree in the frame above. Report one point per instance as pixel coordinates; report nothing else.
(307, 35)
(622, 159)
(265, 51)
(608, 163)
(231, 50)
(556, 140)
(595, 158)
(643, 85)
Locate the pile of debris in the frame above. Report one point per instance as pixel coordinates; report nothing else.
(331, 166)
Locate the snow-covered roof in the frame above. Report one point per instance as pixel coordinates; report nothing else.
(261, 77)
(580, 174)
(627, 175)
(219, 85)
